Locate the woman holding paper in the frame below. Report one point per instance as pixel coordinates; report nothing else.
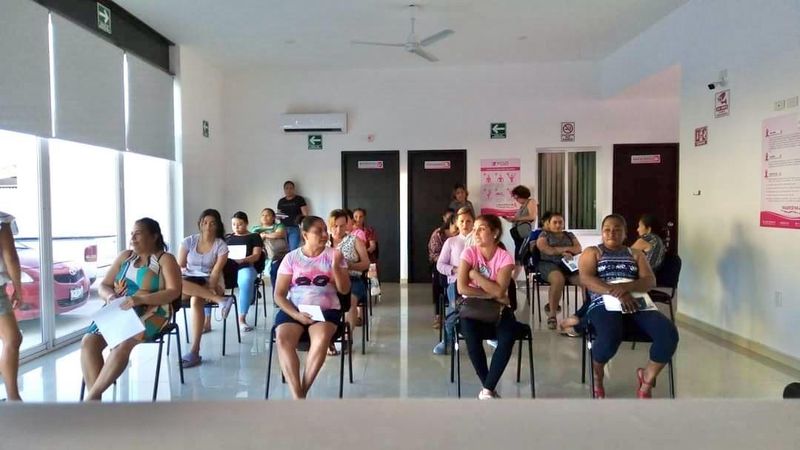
(612, 269)
(149, 279)
(557, 247)
(10, 276)
(313, 276)
(244, 250)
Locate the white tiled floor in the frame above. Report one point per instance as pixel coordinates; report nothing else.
(399, 364)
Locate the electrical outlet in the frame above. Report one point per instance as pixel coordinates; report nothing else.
(791, 102)
(778, 299)
(780, 105)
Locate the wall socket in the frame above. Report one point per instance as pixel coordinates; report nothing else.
(780, 105)
(791, 102)
(778, 299)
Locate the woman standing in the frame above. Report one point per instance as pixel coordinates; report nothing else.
(245, 267)
(613, 269)
(292, 207)
(524, 220)
(355, 255)
(459, 199)
(151, 279)
(203, 256)
(311, 275)
(10, 277)
(273, 235)
(484, 276)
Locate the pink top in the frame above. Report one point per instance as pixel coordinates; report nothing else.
(490, 269)
(312, 278)
(450, 257)
(359, 233)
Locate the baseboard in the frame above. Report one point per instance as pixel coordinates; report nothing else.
(746, 344)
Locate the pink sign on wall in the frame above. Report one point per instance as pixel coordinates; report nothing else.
(498, 178)
(780, 172)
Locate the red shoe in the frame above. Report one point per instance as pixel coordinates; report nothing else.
(639, 392)
(599, 393)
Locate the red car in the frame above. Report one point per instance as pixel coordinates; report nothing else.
(70, 285)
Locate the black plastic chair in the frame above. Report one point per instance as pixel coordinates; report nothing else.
(667, 277)
(343, 336)
(522, 333)
(235, 312)
(168, 331)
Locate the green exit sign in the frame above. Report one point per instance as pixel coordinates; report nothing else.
(497, 130)
(315, 142)
(103, 18)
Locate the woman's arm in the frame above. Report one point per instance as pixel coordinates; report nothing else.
(11, 260)
(576, 246)
(641, 245)
(172, 284)
(547, 249)
(363, 257)
(443, 264)
(254, 257)
(280, 232)
(216, 271)
(304, 210)
(498, 289)
(108, 289)
(183, 254)
(340, 275)
(462, 282)
(434, 243)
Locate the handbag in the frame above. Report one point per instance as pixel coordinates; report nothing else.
(481, 309)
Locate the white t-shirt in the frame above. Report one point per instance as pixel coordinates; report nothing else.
(5, 220)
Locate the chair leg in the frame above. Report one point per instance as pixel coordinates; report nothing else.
(583, 358)
(458, 364)
(530, 364)
(519, 359)
(538, 301)
(591, 371)
(671, 380)
(453, 361)
(341, 369)
(364, 326)
(236, 319)
(185, 325)
(225, 334)
(83, 389)
(255, 303)
(350, 352)
(264, 296)
(158, 368)
(269, 362)
(178, 347)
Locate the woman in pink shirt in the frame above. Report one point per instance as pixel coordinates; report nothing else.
(447, 265)
(485, 273)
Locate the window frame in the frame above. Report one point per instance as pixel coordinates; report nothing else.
(567, 213)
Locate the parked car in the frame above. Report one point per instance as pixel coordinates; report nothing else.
(70, 285)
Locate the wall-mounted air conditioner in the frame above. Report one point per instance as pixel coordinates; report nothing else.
(314, 123)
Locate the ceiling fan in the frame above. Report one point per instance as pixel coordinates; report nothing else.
(413, 44)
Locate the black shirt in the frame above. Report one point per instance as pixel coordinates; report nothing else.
(251, 240)
(291, 208)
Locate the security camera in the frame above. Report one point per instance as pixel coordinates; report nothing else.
(712, 86)
(722, 81)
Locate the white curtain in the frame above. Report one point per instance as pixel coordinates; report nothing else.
(150, 108)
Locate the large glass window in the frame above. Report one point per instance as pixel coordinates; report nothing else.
(84, 189)
(19, 196)
(147, 191)
(568, 184)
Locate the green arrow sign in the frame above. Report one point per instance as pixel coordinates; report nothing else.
(497, 130)
(315, 142)
(104, 18)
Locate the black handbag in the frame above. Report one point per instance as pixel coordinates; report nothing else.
(481, 309)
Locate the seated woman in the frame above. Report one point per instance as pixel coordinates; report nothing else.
(274, 236)
(371, 237)
(311, 275)
(204, 255)
(151, 280)
(245, 267)
(443, 232)
(649, 242)
(611, 268)
(355, 255)
(555, 244)
(485, 273)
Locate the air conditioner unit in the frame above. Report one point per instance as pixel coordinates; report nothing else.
(314, 123)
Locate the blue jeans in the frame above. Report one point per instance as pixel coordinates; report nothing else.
(246, 279)
(475, 332)
(609, 327)
(273, 275)
(450, 314)
(293, 237)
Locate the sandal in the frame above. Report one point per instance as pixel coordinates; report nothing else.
(547, 308)
(639, 392)
(332, 350)
(245, 327)
(552, 322)
(599, 393)
(191, 359)
(568, 331)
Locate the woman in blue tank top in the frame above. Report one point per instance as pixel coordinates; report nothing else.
(613, 269)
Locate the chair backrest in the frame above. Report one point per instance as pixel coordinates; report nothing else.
(512, 294)
(670, 271)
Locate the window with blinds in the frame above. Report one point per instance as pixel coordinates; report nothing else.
(568, 184)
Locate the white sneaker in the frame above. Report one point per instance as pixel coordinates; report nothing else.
(486, 395)
(492, 343)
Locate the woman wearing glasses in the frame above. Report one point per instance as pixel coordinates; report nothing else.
(313, 275)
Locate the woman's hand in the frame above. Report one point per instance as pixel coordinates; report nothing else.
(337, 258)
(474, 274)
(628, 303)
(129, 303)
(303, 318)
(239, 261)
(16, 297)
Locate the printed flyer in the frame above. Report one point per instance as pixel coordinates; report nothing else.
(498, 178)
(780, 172)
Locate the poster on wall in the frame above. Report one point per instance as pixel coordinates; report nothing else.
(780, 172)
(498, 178)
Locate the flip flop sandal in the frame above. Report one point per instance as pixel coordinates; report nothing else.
(552, 322)
(246, 328)
(191, 360)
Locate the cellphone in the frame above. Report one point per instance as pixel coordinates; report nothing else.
(641, 303)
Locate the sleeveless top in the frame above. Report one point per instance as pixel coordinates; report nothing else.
(146, 280)
(655, 256)
(613, 265)
(348, 249)
(554, 240)
(524, 228)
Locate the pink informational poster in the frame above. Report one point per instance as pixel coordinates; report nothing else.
(780, 172)
(498, 178)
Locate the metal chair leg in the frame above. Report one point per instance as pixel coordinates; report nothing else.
(269, 362)
(458, 364)
(530, 364)
(236, 319)
(178, 347)
(185, 325)
(519, 359)
(341, 369)
(158, 368)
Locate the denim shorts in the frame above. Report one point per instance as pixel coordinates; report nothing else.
(333, 316)
(359, 289)
(5, 302)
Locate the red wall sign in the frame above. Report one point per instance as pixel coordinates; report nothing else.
(646, 159)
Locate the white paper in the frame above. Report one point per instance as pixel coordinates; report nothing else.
(194, 273)
(116, 324)
(237, 251)
(572, 263)
(645, 302)
(314, 310)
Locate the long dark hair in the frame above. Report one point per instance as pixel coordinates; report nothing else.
(446, 224)
(154, 229)
(215, 214)
(310, 221)
(241, 215)
(495, 226)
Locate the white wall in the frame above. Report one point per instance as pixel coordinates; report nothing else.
(732, 266)
(438, 108)
(203, 159)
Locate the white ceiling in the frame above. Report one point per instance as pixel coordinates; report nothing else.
(236, 34)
